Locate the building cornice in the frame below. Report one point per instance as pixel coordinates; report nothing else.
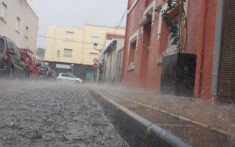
(31, 9)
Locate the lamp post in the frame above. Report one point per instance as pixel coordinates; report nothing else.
(95, 45)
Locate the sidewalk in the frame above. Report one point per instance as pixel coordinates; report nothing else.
(196, 121)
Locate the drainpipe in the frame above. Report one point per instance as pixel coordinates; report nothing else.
(200, 53)
(217, 48)
(125, 52)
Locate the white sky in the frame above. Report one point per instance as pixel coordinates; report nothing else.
(77, 13)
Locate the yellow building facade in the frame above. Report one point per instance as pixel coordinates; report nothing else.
(75, 45)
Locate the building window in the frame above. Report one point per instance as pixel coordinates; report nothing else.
(69, 36)
(94, 40)
(132, 55)
(68, 53)
(26, 32)
(171, 48)
(146, 24)
(147, 34)
(18, 24)
(3, 11)
(93, 56)
(132, 52)
(132, 49)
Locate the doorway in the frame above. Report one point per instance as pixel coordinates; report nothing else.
(147, 28)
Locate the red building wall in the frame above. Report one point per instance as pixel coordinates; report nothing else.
(201, 34)
(201, 29)
(137, 77)
(133, 78)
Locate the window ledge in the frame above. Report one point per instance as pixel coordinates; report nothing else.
(170, 51)
(3, 19)
(131, 67)
(66, 39)
(17, 31)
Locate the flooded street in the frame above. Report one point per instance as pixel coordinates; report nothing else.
(53, 114)
(117, 73)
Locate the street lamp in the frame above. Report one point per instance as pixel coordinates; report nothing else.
(95, 45)
(58, 53)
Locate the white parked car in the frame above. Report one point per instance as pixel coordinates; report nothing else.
(67, 77)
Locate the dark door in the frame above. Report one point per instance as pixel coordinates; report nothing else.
(226, 79)
(178, 74)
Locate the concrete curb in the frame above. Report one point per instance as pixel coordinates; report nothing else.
(136, 130)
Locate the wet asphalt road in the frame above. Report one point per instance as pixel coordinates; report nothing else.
(52, 114)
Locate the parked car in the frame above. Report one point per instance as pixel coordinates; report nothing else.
(67, 77)
(31, 65)
(44, 72)
(11, 61)
(34, 66)
(25, 55)
(53, 75)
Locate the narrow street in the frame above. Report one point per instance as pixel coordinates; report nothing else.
(53, 114)
(117, 73)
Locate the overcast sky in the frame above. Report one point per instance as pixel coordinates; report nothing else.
(77, 13)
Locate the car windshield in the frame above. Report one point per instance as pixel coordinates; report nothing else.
(43, 69)
(117, 73)
(71, 76)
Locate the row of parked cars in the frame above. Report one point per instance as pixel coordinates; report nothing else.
(20, 63)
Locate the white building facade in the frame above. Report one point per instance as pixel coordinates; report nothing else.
(19, 23)
(110, 65)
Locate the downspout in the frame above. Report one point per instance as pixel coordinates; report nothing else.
(217, 47)
(200, 53)
(124, 56)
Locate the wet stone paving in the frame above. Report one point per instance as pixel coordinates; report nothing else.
(50, 114)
